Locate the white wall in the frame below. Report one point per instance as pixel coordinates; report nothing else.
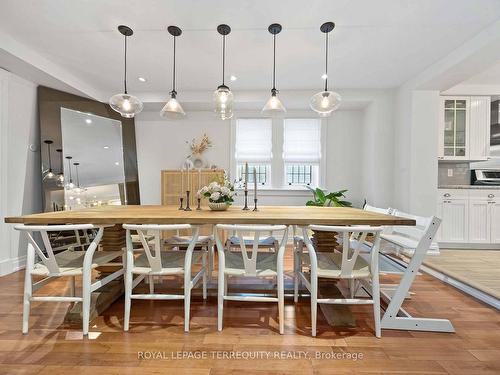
(20, 187)
(377, 143)
(161, 145)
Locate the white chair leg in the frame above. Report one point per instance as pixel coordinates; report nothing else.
(220, 298)
(226, 281)
(187, 300)
(281, 299)
(128, 299)
(204, 266)
(86, 284)
(151, 281)
(295, 274)
(28, 290)
(376, 304)
(314, 305)
(210, 249)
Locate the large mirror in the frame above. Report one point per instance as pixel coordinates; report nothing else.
(88, 154)
(93, 160)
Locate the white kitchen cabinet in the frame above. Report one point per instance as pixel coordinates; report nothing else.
(479, 221)
(469, 216)
(479, 125)
(454, 214)
(495, 220)
(464, 127)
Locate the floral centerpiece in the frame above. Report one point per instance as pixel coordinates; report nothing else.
(220, 196)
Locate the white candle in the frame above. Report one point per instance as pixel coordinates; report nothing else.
(254, 183)
(199, 179)
(188, 179)
(182, 181)
(246, 176)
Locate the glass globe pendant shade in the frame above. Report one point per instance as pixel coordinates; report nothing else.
(49, 175)
(126, 105)
(172, 109)
(60, 180)
(223, 100)
(325, 102)
(273, 106)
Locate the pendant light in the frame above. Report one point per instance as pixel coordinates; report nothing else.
(274, 106)
(126, 105)
(78, 189)
(49, 175)
(173, 108)
(325, 102)
(223, 97)
(70, 184)
(60, 176)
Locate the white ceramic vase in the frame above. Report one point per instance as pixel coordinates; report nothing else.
(218, 206)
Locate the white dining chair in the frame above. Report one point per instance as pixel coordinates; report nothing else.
(155, 262)
(269, 242)
(250, 262)
(346, 264)
(69, 263)
(205, 243)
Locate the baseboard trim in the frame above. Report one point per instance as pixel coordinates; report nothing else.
(8, 266)
(468, 246)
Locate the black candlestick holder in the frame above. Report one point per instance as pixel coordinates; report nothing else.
(246, 201)
(181, 206)
(255, 201)
(187, 201)
(199, 204)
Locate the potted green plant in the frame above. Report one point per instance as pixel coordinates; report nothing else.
(333, 199)
(326, 241)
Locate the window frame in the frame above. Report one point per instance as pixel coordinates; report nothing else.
(278, 168)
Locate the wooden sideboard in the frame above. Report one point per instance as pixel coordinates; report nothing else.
(171, 184)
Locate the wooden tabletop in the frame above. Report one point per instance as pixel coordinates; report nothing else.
(288, 215)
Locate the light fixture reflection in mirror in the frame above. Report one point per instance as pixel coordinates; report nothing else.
(97, 170)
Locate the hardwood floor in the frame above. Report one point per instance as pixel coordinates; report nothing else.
(53, 347)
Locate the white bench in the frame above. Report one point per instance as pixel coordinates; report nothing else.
(405, 239)
(408, 238)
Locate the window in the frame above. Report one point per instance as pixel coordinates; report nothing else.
(254, 145)
(302, 151)
(285, 153)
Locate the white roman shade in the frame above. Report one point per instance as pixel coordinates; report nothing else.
(302, 141)
(254, 140)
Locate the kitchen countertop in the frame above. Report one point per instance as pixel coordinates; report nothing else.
(493, 187)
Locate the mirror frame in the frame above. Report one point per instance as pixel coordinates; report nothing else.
(50, 102)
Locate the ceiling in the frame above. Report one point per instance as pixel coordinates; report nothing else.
(490, 76)
(376, 44)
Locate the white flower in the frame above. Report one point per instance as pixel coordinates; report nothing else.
(204, 189)
(215, 196)
(225, 190)
(213, 185)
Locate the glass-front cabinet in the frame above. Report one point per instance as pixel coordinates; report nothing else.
(464, 128)
(454, 132)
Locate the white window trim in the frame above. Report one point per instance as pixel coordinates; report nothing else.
(278, 182)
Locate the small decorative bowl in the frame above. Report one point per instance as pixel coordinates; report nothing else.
(223, 206)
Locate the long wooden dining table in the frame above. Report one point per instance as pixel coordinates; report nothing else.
(285, 215)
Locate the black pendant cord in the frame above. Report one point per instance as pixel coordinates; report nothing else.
(50, 160)
(326, 62)
(125, 70)
(274, 63)
(77, 174)
(173, 74)
(70, 176)
(223, 58)
(62, 161)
